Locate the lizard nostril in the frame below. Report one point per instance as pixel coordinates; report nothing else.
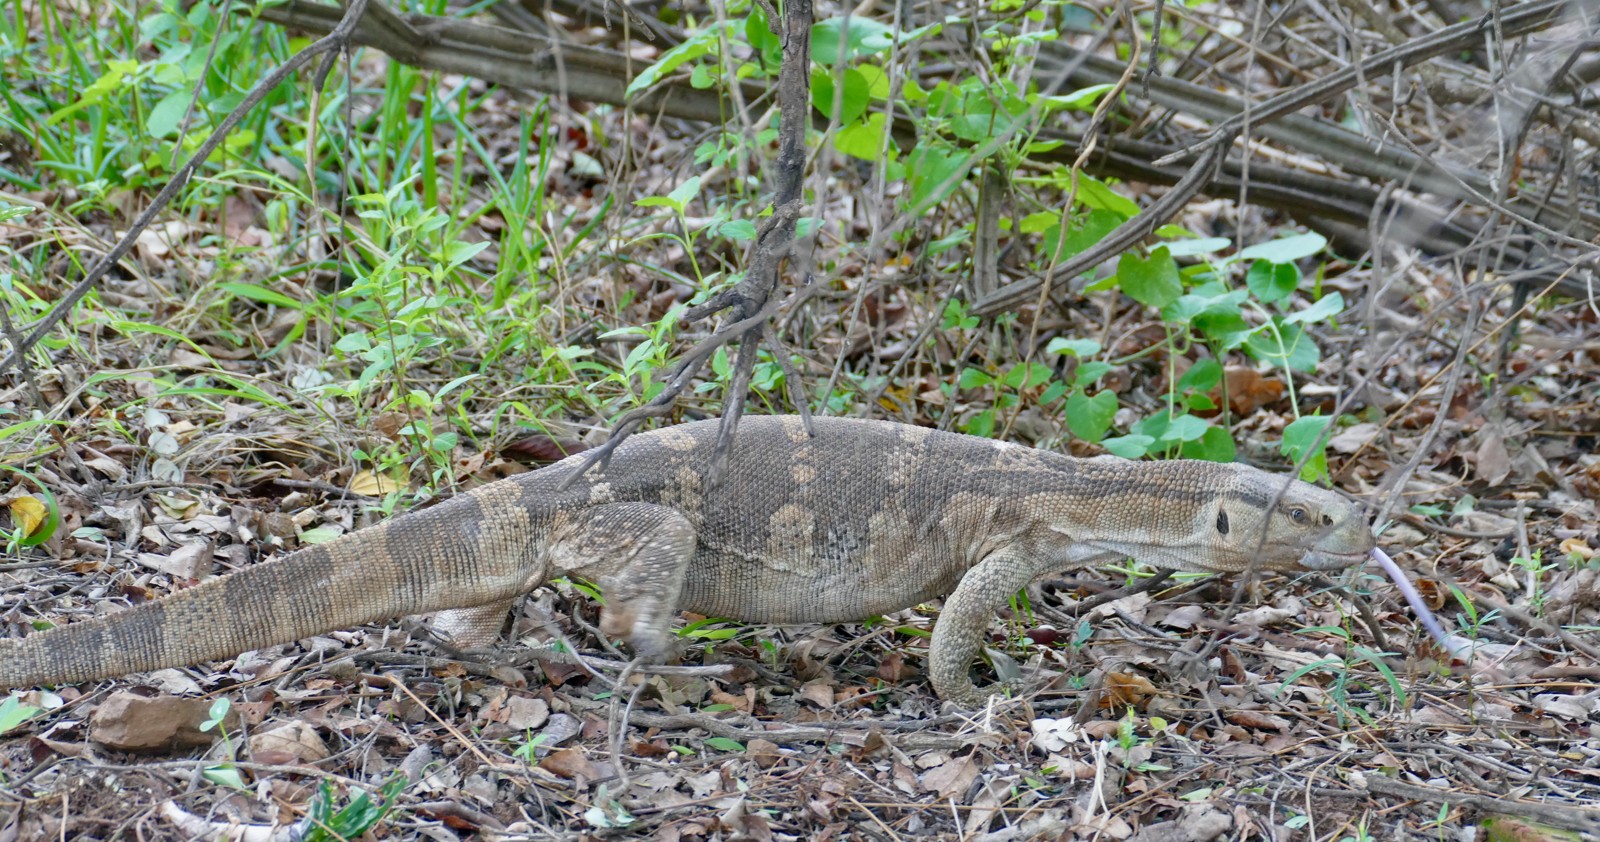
(1327, 520)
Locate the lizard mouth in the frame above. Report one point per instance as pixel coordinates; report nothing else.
(1329, 560)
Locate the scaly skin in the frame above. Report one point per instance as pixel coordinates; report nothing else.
(863, 519)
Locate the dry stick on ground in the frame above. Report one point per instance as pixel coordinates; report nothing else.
(334, 42)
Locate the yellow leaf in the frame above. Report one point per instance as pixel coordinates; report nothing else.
(373, 484)
(28, 514)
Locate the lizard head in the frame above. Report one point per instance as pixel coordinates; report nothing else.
(1288, 524)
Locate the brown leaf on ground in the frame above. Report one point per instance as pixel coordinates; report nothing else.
(951, 779)
(1125, 689)
(570, 763)
(1248, 390)
(291, 742)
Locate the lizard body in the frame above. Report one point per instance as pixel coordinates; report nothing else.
(864, 518)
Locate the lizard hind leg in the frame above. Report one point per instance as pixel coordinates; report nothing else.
(473, 628)
(638, 553)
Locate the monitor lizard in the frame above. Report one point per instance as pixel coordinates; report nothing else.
(860, 519)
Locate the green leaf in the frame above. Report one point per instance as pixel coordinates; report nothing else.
(1203, 376)
(1290, 345)
(1080, 348)
(724, 744)
(865, 139)
(43, 530)
(225, 775)
(1090, 417)
(1152, 282)
(695, 46)
(1081, 233)
(738, 230)
(216, 713)
(1097, 195)
(256, 292)
(972, 378)
(981, 425)
(1215, 446)
(1303, 440)
(1285, 249)
(1128, 447)
(1202, 301)
(685, 192)
(935, 173)
(166, 115)
(1082, 99)
(1185, 428)
(320, 534)
(1034, 223)
(1089, 372)
(856, 95)
(858, 35)
(1327, 307)
(1021, 377)
(955, 316)
(1272, 281)
(13, 713)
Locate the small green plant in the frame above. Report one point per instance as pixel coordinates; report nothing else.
(1360, 835)
(1534, 568)
(528, 751)
(225, 773)
(1133, 750)
(325, 823)
(1338, 690)
(607, 811)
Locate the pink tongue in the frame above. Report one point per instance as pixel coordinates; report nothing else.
(1450, 643)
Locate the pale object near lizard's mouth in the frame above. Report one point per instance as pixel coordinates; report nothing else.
(1327, 560)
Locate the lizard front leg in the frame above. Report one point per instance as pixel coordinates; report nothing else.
(983, 591)
(638, 553)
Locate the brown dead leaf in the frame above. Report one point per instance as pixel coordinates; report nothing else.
(291, 742)
(951, 779)
(894, 669)
(569, 763)
(1125, 689)
(1494, 460)
(1248, 389)
(1256, 719)
(745, 825)
(763, 752)
(739, 703)
(819, 693)
(1577, 546)
(390, 424)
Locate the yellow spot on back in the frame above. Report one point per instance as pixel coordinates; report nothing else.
(676, 439)
(795, 429)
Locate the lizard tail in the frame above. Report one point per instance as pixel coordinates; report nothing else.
(468, 551)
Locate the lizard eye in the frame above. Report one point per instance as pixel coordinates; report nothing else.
(1297, 515)
(1222, 521)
